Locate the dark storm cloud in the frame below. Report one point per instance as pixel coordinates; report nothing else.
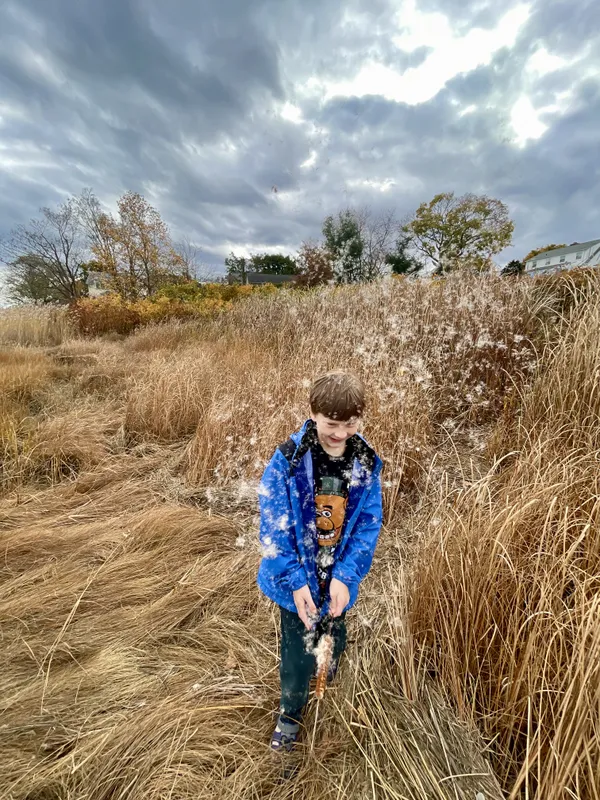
(97, 85)
(114, 47)
(181, 101)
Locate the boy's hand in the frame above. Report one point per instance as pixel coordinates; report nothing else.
(307, 610)
(340, 597)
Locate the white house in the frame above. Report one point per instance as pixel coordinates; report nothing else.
(581, 254)
(95, 284)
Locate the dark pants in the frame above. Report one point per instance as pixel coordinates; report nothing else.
(297, 665)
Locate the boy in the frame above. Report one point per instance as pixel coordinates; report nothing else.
(320, 516)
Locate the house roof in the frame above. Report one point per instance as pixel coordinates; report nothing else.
(564, 251)
(256, 278)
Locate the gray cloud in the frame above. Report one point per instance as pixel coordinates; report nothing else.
(473, 14)
(182, 102)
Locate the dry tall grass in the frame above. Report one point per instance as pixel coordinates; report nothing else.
(137, 657)
(38, 326)
(23, 372)
(443, 353)
(506, 597)
(150, 669)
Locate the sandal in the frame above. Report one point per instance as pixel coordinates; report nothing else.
(283, 741)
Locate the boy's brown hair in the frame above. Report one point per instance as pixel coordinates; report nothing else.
(338, 395)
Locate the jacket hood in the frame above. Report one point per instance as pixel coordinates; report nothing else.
(306, 437)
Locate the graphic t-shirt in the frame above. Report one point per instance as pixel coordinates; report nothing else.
(332, 476)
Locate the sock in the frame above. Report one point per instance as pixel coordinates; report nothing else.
(287, 725)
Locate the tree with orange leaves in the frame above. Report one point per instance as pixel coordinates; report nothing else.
(133, 250)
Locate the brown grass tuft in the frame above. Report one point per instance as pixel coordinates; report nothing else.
(169, 336)
(167, 398)
(23, 372)
(38, 326)
(65, 445)
(505, 597)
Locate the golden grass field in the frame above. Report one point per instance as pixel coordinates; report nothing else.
(138, 659)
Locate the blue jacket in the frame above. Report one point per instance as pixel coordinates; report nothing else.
(288, 532)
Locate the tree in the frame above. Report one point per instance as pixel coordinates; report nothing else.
(345, 246)
(534, 253)
(401, 261)
(48, 255)
(449, 230)
(513, 267)
(314, 265)
(273, 264)
(145, 246)
(267, 263)
(28, 281)
(102, 240)
(237, 267)
(189, 258)
(364, 246)
(381, 234)
(135, 250)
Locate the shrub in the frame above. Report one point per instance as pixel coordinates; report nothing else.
(111, 314)
(107, 314)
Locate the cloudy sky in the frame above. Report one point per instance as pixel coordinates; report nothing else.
(245, 122)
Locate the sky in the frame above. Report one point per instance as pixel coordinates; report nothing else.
(246, 122)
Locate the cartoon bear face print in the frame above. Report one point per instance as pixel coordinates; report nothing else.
(330, 512)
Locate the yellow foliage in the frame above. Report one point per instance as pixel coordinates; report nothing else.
(112, 314)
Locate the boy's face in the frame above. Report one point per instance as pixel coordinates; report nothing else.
(333, 433)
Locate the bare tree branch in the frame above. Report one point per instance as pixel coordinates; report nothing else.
(56, 244)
